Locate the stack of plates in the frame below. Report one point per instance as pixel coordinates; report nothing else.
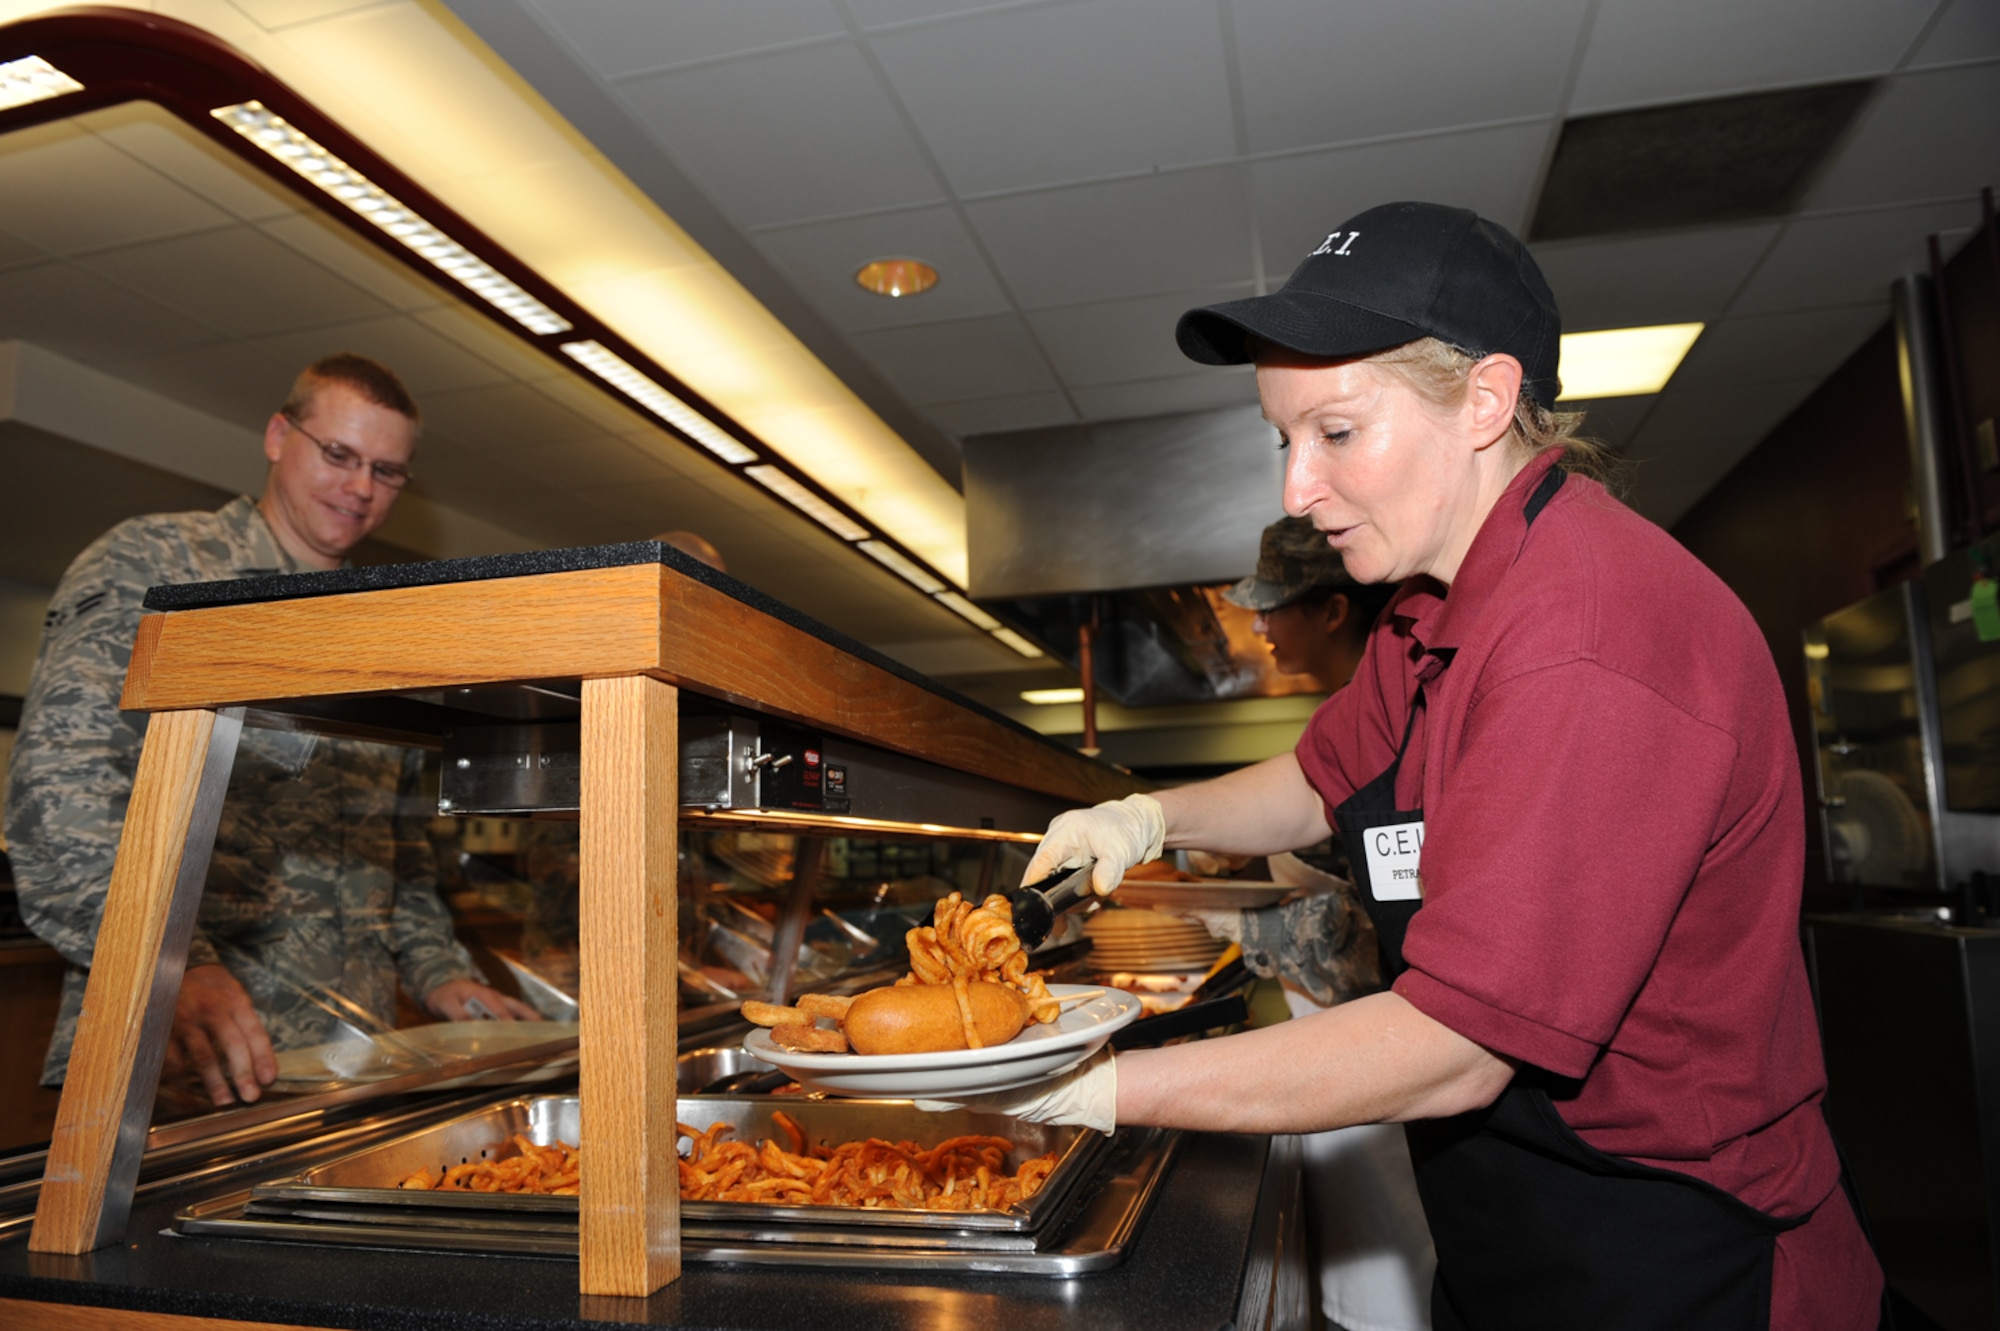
(1148, 940)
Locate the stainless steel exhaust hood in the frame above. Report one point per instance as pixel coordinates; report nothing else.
(1143, 522)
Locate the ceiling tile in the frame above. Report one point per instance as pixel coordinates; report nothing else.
(1613, 421)
(491, 342)
(1119, 238)
(821, 258)
(1046, 93)
(1317, 73)
(503, 419)
(812, 133)
(238, 381)
(1679, 277)
(878, 13)
(1300, 199)
(1809, 344)
(1642, 52)
(972, 358)
(1928, 136)
(236, 280)
(66, 191)
(579, 464)
(155, 137)
(996, 415)
(1969, 30)
(81, 316)
(280, 13)
(425, 360)
(336, 249)
(1119, 341)
(163, 142)
(1849, 259)
(15, 252)
(1693, 412)
(620, 36)
(1694, 437)
(1201, 389)
(609, 414)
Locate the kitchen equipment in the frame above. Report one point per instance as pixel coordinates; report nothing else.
(1036, 1054)
(1037, 905)
(703, 1071)
(1901, 689)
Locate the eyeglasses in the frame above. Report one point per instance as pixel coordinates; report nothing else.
(340, 456)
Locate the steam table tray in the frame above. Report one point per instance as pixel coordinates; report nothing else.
(1082, 1219)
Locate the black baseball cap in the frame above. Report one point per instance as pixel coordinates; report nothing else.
(1391, 275)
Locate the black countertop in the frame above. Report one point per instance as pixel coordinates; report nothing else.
(1183, 1273)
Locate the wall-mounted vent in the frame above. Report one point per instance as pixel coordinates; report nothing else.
(1695, 164)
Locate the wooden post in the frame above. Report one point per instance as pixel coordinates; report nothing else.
(135, 978)
(629, 1202)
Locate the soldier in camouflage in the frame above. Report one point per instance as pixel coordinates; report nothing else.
(321, 893)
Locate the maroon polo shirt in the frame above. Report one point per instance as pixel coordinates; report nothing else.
(1613, 848)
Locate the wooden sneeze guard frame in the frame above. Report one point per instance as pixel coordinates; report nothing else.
(635, 636)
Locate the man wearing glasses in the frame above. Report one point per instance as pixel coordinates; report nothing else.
(321, 894)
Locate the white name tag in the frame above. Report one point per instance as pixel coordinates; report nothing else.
(1393, 853)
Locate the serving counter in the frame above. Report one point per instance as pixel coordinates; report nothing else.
(640, 693)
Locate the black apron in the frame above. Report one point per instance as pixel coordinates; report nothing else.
(1536, 1229)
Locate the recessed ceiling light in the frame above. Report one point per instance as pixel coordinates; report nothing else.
(33, 79)
(1623, 362)
(897, 277)
(1049, 697)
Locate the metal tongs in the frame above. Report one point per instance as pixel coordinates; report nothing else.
(1036, 905)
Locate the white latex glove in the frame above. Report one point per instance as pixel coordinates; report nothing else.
(1085, 1096)
(1219, 923)
(1117, 834)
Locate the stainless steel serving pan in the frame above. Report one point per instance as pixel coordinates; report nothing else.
(365, 1181)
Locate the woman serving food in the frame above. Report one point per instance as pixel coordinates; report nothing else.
(1567, 785)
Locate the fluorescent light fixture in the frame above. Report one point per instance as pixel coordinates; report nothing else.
(32, 79)
(965, 609)
(620, 374)
(808, 503)
(257, 123)
(1017, 642)
(889, 557)
(1049, 697)
(1623, 362)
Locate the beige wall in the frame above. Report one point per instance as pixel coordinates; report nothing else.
(22, 606)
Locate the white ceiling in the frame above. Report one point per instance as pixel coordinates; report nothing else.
(1081, 171)
(132, 249)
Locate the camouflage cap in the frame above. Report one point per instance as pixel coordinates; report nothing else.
(1294, 560)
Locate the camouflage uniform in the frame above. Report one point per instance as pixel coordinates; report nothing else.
(1324, 944)
(322, 886)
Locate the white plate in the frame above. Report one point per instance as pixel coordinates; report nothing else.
(1207, 894)
(1036, 1054)
(413, 1048)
